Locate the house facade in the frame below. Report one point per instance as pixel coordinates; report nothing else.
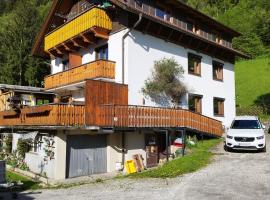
(101, 53)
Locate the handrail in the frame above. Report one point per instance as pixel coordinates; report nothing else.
(82, 65)
(146, 116)
(159, 107)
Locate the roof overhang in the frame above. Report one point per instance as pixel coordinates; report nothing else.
(38, 48)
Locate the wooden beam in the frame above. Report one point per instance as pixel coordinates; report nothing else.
(189, 42)
(55, 54)
(180, 38)
(69, 46)
(147, 27)
(88, 38)
(61, 49)
(100, 32)
(159, 30)
(80, 43)
(198, 44)
(169, 36)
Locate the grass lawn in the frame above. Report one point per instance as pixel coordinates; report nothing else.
(252, 80)
(199, 157)
(28, 184)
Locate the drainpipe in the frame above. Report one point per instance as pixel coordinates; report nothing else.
(123, 148)
(123, 46)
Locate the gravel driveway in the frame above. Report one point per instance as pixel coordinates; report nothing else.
(230, 176)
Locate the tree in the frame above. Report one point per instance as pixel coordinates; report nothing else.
(165, 83)
(17, 35)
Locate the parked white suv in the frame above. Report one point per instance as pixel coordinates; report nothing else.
(247, 133)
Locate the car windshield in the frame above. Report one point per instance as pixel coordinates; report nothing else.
(246, 124)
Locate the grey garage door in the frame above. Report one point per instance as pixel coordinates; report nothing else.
(86, 154)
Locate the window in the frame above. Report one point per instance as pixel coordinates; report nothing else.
(65, 64)
(217, 71)
(195, 103)
(189, 26)
(246, 124)
(42, 101)
(160, 13)
(138, 4)
(218, 107)
(194, 64)
(102, 53)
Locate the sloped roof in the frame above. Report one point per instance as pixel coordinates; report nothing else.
(38, 47)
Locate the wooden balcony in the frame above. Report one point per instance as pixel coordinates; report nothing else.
(96, 69)
(95, 20)
(146, 117)
(111, 116)
(45, 115)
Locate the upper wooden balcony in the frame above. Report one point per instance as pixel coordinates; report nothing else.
(45, 115)
(93, 23)
(95, 69)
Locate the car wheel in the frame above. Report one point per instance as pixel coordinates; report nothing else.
(226, 148)
(264, 149)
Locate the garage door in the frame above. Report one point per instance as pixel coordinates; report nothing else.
(86, 155)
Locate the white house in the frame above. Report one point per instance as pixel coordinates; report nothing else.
(101, 53)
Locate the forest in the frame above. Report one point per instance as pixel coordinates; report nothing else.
(20, 21)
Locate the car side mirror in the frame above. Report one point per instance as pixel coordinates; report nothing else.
(263, 126)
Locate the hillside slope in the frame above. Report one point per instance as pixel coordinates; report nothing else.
(252, 80)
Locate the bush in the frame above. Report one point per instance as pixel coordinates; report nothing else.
(23, 146)
(252, 110)
(7, 144)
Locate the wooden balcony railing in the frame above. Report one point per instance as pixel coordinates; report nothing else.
(45, 115)
(96, 69)
(141, 116)
(95, 17)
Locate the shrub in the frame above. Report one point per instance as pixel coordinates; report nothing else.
(23, 146)
(165, 86)
(7, 144)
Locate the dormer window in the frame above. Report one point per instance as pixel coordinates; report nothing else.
(102, 53)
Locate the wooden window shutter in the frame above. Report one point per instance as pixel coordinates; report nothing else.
(75, 60)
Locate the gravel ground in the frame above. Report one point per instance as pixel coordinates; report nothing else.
(230, 176)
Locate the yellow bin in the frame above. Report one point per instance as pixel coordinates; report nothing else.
(130, 167)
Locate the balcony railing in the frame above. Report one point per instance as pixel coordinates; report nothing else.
(141, 116)
(96, 69)
(111, 116)
(45, 115)
(95, 17)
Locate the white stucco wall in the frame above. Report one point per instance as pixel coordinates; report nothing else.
(60, 155)
(114, 151)
(143, 50)
(36, 164)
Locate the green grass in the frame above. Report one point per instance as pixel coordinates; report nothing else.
(199, 157)
(28, 184)
(252, 80)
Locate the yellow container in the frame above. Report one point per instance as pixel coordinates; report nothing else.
(130, 167)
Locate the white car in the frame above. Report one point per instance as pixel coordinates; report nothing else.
(247, 133)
